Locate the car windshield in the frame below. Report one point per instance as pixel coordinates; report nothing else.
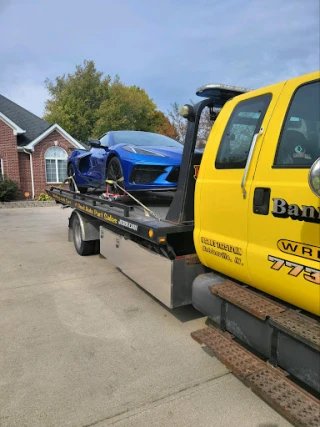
(144, 138)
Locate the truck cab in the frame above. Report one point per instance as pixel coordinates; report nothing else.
(256, 218)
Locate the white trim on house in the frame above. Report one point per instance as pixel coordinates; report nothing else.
(28, 149)
(1, 167)
(59, 129)
(16, 129)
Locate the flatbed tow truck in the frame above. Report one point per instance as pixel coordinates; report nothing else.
(239, 239)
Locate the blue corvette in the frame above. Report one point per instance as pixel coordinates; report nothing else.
(139, 161)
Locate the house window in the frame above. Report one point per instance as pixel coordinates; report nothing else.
(1, 167)
(56, 164)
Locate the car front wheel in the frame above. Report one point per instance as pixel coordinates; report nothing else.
(114, 173)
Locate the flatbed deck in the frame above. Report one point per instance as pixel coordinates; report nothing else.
(128, 216)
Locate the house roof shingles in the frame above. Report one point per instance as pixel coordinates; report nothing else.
(32, 124)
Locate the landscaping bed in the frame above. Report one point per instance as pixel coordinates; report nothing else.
(26, 204)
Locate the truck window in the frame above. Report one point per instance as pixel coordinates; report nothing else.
(299, 142)
(244, 122)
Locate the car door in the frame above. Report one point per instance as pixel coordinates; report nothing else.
(283, 215)
(221, 225)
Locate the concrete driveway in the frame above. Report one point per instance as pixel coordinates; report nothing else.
(83, 346)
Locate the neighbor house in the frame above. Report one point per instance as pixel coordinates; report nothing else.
(32, 151)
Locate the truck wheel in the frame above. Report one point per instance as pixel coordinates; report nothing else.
(82, 247)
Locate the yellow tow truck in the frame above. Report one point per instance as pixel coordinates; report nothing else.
(239, 239)
(253, 201)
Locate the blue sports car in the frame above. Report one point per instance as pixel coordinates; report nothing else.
(138, 161)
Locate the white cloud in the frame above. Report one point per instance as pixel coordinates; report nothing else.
(163, 47)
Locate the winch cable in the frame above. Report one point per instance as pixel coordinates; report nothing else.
(109, 181)
(71, 177)
(146, 209)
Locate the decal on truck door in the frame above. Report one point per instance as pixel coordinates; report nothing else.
(282, 209)
(302, 250)
(222, 250)
(310, 274)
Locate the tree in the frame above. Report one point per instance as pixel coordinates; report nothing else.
(88, 104)
(180, 124)
(76, 98)
(126, 108)
(130, 108)
(205, 127)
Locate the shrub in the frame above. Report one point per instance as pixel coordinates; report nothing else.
(9, 189)
(44, 197)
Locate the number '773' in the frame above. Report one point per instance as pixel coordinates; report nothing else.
(310, 274)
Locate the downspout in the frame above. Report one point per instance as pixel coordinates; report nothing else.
(31, 171)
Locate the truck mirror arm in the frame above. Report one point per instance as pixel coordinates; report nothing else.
(182, 206)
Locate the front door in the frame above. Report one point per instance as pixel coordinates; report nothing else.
(221, 225)
(283, 213)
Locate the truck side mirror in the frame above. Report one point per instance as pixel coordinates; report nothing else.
(314, 177)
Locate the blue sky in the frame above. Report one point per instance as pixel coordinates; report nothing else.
(169, 48)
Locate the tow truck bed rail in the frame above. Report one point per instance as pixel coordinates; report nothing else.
(127, 218)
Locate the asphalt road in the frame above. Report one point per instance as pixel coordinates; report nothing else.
(81, 345)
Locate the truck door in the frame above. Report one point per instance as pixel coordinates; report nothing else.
(221, 228)
(283, 213)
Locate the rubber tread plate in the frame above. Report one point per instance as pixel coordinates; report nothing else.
(257, 305)
(231, 354)
(299, 326)
(287, 398)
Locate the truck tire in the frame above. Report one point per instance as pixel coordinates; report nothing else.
(82, 247)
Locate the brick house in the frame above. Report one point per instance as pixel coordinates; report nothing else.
(32, 152)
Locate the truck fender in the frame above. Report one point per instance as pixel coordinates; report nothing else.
(89, 226)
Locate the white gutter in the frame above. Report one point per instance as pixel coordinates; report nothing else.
(31, 170)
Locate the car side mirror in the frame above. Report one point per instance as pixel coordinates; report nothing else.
(94, 142)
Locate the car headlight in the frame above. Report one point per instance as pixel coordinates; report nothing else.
(139, 150)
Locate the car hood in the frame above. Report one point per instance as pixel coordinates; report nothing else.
(172, 153)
